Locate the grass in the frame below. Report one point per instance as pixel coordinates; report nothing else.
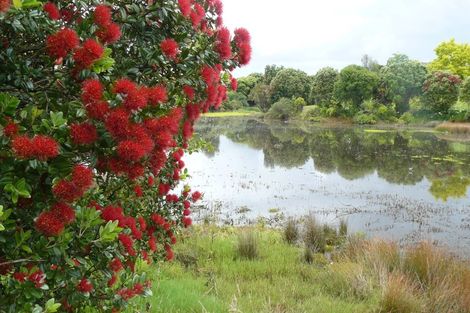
(239, 113)
(360, 276)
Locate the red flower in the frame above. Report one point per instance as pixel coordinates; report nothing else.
(150, 181)
(48, 224)
(186, 204)
(130, 151)
(63, 212)
(234, 84)
(219, 9)
(223, 43)
(138, 289)
(51, 10)
(127, 242)
(157, 94)
(109, 34)
(117, 123)
(92, 91)
(135, 100)
(22, 147)
(169, 48)
(189, 92)
(10, 129)
(98, 110)
(187, 130)
(116, 265)
(124, 86)
(112, 281)
(62, 42)
(187, 221)
(196, 196)
(4, 5)
(197, 15)
(85, 285)
(83, 134)
(242, 36)
(163, 189)
(169, 253)
(138, 191)
(185, 7)
(20, 276)
(82, 177)
(37, 278)
(244, 54)
(186, 212)
(152, 244)
(102, 15)
(44, 147)
(113, 213)
(86, 55)
(66, 191)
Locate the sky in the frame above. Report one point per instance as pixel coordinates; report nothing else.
(311, 34)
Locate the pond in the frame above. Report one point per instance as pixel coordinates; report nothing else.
(406, 185)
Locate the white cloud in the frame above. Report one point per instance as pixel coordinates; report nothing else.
(310, 34)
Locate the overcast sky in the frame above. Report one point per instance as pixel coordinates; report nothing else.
(311, 34)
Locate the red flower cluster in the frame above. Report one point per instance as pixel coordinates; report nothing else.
(185, 7)
(170, 48)
(189, 92)
(88, 53)
(223, 45)
(52, 223)
(51, 10)
(38, 278)
(108, 32)
(40, 147)
(71, 190)
(243, 41)
(85, 286)
(83, 134)
(11, 129)
(127, 294)
(197, 15)
(234, 84)
(92, 98)
(61, 43)
(4, 5)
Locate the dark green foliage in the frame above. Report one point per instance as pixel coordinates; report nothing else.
(441, 91)
(234, 101)
(323, 86)
(270, 71)
(356, 84)
(290, 83)
(402, 79)
(247, 83)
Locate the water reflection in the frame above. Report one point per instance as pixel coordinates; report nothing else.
(404, 185)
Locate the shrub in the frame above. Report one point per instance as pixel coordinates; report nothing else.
(247, 247)
(347, 280)
(465, 90)
(284, 109)
(291, 231)
(311, 113)
(365, 118)
(406, 118)
(441, 91)
(100, 105)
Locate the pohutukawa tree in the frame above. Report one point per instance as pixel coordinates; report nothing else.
(97, 104)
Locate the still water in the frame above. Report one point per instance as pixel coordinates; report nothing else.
(405, 185)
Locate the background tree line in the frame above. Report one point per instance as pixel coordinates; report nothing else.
(402, 90)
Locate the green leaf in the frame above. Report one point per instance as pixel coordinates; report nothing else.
(105, 63)
(58, 119)
(8, 104)
(51, 306)
(17, 4)
(109, 232)
(29, 4)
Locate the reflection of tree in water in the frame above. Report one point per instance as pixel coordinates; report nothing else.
(398, 157)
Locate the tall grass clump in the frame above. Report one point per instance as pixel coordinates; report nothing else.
(313, 235)
(248, 246)
(399, 297)
(455, 128)
(291, 231)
